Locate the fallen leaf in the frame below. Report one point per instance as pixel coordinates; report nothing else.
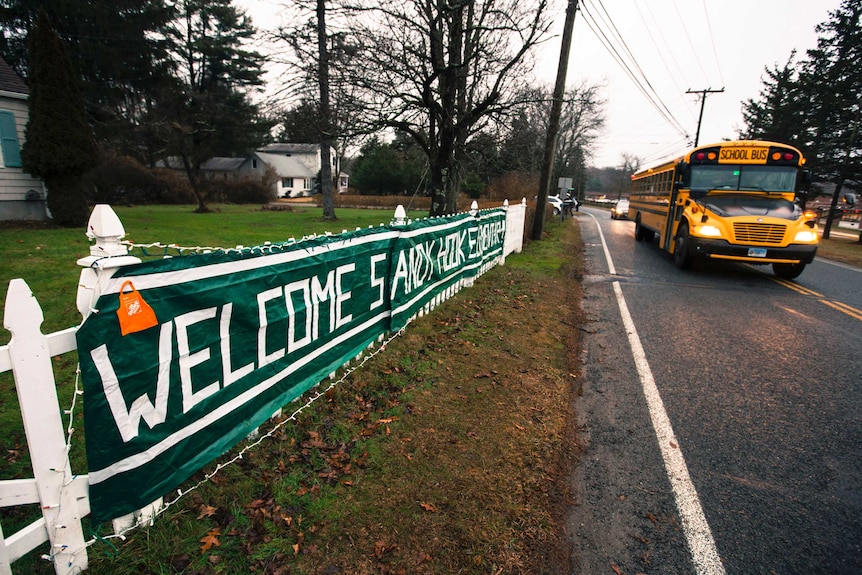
(616, 569)
(207, 511)
(381, 548)
(428, 507)
(210, 540)
(521, 428)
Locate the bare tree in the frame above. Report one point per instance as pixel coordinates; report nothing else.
(315, 55)
(581, 119)
(440, 70)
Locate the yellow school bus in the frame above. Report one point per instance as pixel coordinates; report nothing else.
(730, 201)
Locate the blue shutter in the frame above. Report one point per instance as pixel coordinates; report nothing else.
(9, 141)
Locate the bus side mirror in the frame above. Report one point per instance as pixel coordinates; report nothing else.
(682, 174)
(805, 178)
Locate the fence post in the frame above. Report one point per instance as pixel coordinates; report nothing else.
(107, 253)
(43, 426)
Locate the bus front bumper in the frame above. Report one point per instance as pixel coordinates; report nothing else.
(722, 249)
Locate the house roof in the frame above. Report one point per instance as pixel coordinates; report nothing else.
(10, 81)
(223, 164)
(211, 165)
(291, 148)
(286, 166)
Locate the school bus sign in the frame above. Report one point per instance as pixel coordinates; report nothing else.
(743, 155)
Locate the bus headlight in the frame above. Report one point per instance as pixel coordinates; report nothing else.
(806, 236)
(708, 231)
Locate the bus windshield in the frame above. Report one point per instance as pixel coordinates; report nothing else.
(743, 177)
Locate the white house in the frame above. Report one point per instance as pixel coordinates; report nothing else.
(296, 165)
(22, 197)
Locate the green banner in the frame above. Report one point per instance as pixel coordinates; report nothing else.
(236, 335)
(434, 258)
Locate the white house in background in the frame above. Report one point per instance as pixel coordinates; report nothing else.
(296, 165)
(22, 197)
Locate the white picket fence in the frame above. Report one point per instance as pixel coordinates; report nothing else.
(61, 495)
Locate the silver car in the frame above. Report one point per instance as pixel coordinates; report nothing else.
(620, 210)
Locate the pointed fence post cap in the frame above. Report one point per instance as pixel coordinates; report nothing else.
(107, 229)
(400, 216)
(104, 222)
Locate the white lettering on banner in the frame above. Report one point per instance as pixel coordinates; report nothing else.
(129, 420)
(485, 237)
(189, 356)
(188, 360)
(313, 294)
(414, 268)
(303, 287)
(229, 375)
(451, 253)
(262, 357)
(378, 282)
(341, 296)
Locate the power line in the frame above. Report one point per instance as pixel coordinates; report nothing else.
(642, 83)
(712, 41)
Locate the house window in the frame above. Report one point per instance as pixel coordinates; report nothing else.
(287, 182)
(254, 163)
(9, 141)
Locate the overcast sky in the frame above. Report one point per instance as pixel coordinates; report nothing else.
(682, 45)
(670, 46)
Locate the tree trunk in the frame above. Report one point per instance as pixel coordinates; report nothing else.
(325, 115)
(66, 201)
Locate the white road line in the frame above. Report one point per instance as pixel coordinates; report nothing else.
(701, 545)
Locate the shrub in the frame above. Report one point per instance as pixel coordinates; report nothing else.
(514, 185)
(244, 190)
(122, 180)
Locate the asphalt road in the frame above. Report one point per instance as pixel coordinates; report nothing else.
(722, 424)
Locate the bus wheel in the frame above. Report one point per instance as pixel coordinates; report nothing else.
(682, 256)
(640, 231)
(788, 271)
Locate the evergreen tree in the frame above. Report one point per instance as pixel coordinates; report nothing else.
(779, 113)
(204, 111)
(831, 81)
(113, 45)
(821, 110)
(59, 146)
(299, 125)
(384, 169)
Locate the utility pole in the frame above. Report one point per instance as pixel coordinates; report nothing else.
(703, 94)
(554, 121)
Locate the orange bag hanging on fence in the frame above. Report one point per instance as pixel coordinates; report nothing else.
(134, 313)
